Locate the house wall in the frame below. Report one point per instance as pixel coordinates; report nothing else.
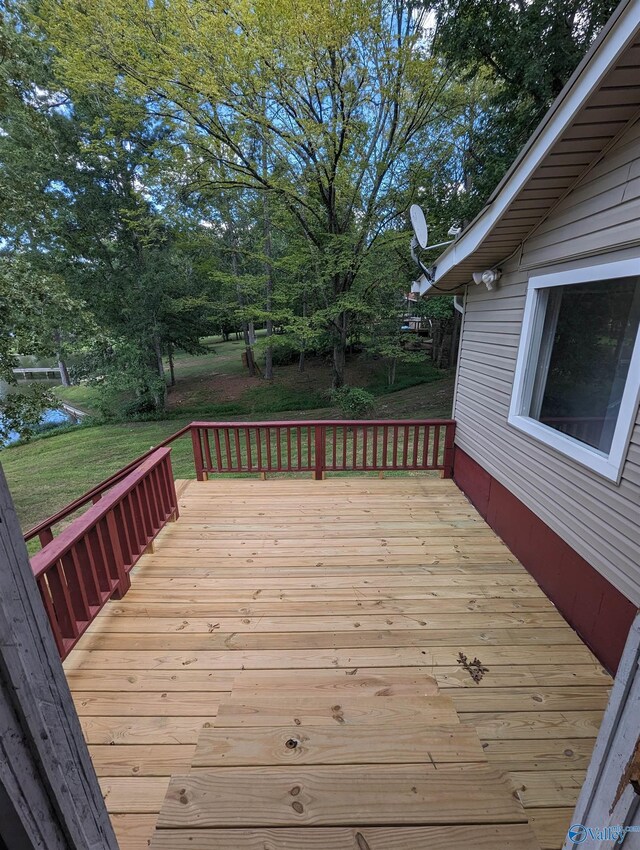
(598, 519)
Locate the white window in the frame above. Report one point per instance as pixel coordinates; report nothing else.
(577, 381)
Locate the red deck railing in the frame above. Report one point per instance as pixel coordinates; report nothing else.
(44, 530)
(323, 446)
(89, 561)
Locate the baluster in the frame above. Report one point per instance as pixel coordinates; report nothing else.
(86, 564)
(197, 453)
(345, 445)
(163, 487)
(416, 441)
(299, 444)
(216, 440)
(158, 499)
(165, 501)
(171, 487)
(142, 534)
(395, 446)
(425, 446)
(118, 562)
(207, 449)
(279, 449)
(259, 447)
(405, 447)
(334, 447)
(227, 450)
(155, 501)
(236, 438)
(123, 535)
(75, 583)
(385, 446)
(309, 463)
(104, 531)
(319, 453)
(133, 527)
(47, 601)
(267, 432)
(436, 447)
(375, 447)
(289, 467)
(365, 434)
(247, 445)
(62, 602)
(354, 446)
(94, 544)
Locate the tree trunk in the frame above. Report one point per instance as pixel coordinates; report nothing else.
(159, 396)
(171, 369)
(392, 371)
(303, 346)
(64, 372)
(339, 350)
(268, 356)
(247, 327)
(157, 349)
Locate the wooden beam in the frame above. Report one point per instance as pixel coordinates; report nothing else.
(49, 794)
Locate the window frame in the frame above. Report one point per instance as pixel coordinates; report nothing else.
(608, 465)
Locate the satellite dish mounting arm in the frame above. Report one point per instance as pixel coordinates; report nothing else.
(428, 273)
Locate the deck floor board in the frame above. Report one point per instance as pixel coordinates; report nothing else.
(323, 591)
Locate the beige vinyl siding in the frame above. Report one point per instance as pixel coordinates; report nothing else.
(601, 520)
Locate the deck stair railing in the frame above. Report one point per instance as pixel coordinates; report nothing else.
(89, 560)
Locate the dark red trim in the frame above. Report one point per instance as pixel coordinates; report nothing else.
(598, 612)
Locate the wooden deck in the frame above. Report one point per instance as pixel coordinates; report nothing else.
(335, 605)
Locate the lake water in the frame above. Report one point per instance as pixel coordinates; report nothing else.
(50, 417)
(56, 417)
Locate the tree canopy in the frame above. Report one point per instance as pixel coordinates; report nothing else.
(173, 169)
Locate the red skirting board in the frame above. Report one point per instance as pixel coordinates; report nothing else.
(599, 613)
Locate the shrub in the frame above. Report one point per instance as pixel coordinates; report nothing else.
(354, 402)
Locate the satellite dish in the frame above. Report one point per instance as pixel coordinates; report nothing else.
(419, 224)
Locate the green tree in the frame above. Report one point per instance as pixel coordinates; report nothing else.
(83, 211)
(317, 106)
(526, 51)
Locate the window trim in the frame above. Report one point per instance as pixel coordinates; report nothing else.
(608, 465)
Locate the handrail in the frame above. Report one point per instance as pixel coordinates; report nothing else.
(437, 456)
(89, 561)
(323, 445)
(43, 529)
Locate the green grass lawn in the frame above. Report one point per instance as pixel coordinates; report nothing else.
(51, 471)
(48, 473)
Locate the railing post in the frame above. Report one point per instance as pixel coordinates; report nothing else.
(319, 434)
(449, 449)
(197, 452)
(45, 536)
